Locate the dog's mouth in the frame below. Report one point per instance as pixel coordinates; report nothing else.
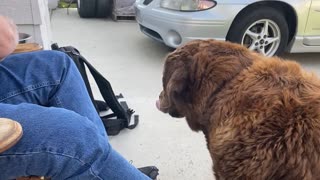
(173, 113)
(162, 109)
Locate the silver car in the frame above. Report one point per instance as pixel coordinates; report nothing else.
(268, 27)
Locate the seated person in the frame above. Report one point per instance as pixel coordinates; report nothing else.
(63, 135)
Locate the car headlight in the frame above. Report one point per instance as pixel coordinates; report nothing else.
(188, 5)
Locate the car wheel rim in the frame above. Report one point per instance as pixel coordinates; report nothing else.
(262, 36)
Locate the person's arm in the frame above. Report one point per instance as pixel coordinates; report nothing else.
(8, 37)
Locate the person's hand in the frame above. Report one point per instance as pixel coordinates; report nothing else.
(8, 37)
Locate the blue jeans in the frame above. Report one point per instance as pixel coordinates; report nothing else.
(64, 137)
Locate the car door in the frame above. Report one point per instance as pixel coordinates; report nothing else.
(312, 31)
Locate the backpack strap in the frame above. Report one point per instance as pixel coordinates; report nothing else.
(80, 65)
(101, 105)
(121, 112)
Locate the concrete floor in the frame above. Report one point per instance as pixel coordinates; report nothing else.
(133, 64)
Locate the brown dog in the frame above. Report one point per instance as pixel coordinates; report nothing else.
(260, 116)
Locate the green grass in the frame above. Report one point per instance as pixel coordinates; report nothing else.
(65, 5)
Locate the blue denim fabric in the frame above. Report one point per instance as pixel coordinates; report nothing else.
(64, 137)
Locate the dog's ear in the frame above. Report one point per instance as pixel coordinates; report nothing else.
(177, 81)
(177, 87)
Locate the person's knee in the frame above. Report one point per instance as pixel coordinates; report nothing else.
(41, 62)
(48, 64)
(52, 58)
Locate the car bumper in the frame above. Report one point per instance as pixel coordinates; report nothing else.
(175, 28)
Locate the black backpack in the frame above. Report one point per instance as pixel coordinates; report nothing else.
(122, 114)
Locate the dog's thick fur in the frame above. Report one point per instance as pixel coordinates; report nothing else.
(260, 116)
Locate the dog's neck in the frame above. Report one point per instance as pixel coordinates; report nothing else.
(199, 117)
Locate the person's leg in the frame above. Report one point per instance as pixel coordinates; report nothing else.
(49, 78)
(60, 144)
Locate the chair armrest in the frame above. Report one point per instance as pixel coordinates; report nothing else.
(27, 47)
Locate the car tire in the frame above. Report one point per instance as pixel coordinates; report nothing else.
(103, 8)
(249, 22)
(86, 8)
(70, 1)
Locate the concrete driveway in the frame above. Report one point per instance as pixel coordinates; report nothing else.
(133, 64)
